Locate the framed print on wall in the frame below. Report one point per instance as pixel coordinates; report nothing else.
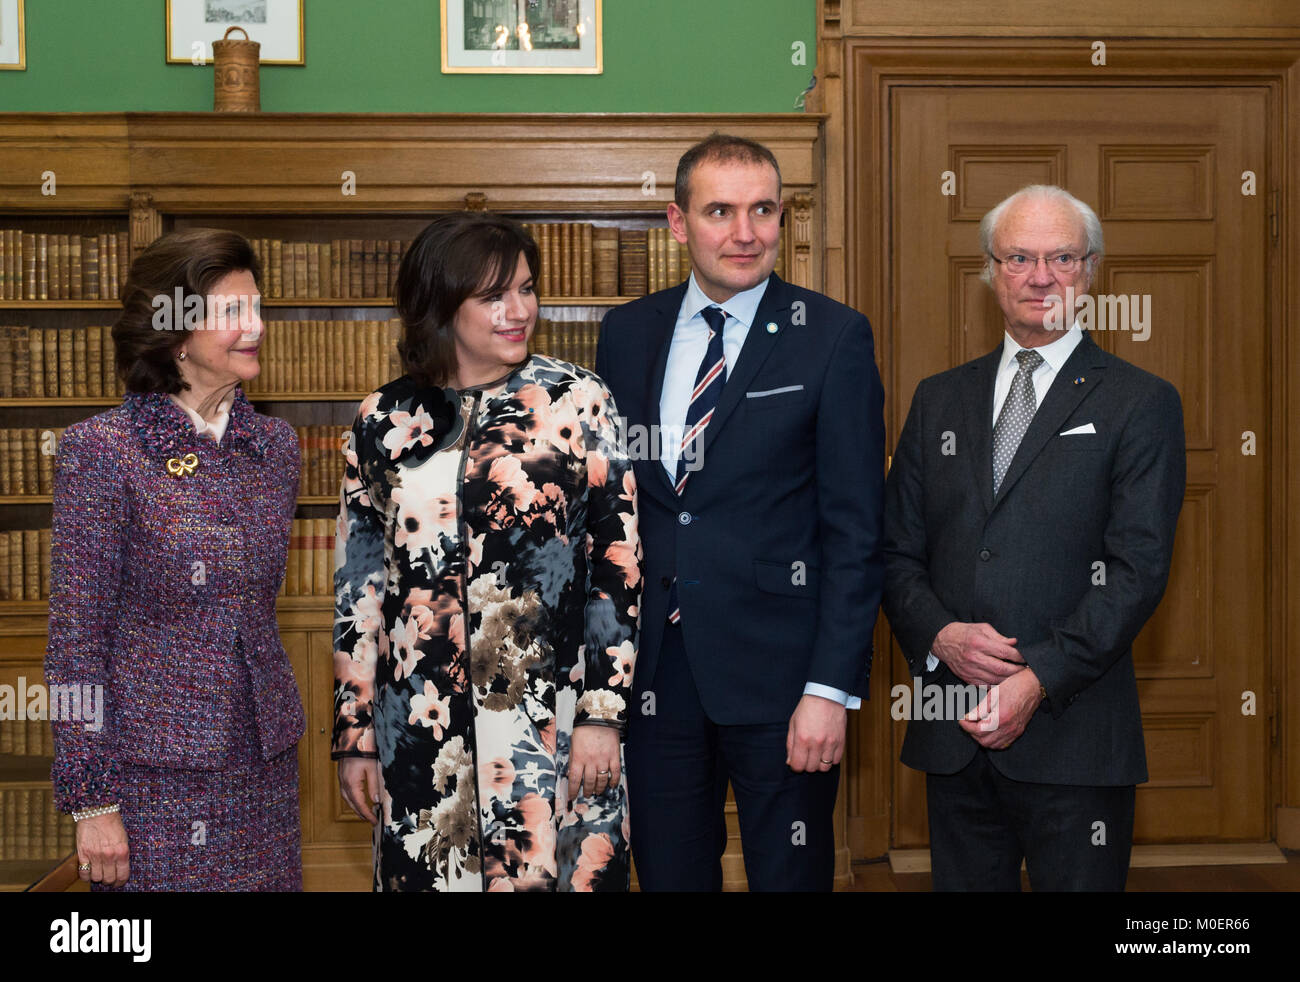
(527, 37)
(192, 26)
(13, 41)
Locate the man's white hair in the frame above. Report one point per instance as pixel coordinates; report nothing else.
(1042, 192)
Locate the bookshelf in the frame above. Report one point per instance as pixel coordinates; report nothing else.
(591, 187)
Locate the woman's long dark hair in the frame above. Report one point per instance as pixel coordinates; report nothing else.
(458, 256)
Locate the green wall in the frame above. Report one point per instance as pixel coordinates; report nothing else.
(384, 56)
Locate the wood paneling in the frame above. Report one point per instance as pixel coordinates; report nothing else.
(1101, 18)
(1153, 176)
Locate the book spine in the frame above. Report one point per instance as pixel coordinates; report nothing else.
(43, 562)
(31, 565)
(76, 274)
(64, 368)
(313, 270)
(51, 349)
(123, 258)
(80, 383)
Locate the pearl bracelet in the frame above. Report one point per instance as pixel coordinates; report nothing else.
(77, 816)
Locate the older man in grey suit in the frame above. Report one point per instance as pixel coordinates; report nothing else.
(1029, 525)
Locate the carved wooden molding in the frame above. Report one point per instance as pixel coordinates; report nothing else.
(146, 223)
(801, 230)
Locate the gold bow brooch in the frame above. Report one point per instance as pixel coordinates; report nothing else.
(183, 466)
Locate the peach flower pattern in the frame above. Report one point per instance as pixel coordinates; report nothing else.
(487, 582)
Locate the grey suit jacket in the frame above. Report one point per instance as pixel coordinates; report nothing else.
(1024, 561)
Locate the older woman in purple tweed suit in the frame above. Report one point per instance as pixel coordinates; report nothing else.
(172, 515)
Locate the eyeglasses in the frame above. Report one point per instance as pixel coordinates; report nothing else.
(1062, 262)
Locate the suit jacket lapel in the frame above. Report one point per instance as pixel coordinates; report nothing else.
(658, 342)
(977, 397)
(1081, 373)
(774, 308)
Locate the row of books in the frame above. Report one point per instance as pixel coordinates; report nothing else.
(57, 361)
(26, 738)
(344, 269)
(27, 459)
(578, 259)
(571, 341)
(31, 827)
(322, 459)
(310, 568)
(24, 564)
(47, 266)
(327, 356)
(296, 356)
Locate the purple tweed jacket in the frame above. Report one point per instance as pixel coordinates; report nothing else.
(153, 580)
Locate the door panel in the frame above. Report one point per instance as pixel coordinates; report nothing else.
(1163, 169)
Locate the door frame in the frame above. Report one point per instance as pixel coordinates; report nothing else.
(857, 78)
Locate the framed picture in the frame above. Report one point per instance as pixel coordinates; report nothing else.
(13, 41)
(521, 36)
(192, 26)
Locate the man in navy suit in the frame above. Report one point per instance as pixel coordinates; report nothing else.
(1030, 519)
(760, 502)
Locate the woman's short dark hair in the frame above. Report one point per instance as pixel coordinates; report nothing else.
(193, 259)
(460, 255)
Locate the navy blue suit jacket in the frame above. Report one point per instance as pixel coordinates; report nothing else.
(776, 540)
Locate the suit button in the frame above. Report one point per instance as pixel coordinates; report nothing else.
(684, 518)
(667, 581)
(985, 555)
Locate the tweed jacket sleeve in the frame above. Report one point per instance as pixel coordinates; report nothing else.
(86, 555)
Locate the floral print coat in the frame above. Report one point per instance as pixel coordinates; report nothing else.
(488, 576)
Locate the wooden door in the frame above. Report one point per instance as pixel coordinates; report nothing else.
(1163, 168)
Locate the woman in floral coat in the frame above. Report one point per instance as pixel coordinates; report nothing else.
(487, 588)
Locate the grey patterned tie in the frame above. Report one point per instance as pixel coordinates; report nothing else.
(1017, 410)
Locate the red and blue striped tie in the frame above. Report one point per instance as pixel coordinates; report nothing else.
(704, 400)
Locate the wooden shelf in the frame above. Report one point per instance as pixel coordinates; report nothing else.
(387, 302)
(25, 770)
(16, 403)
(59, 304)
(18, 874)
(307, 397)
(326, 302)
(312, 602)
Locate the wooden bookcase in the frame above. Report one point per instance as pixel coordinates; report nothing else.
(287, 177)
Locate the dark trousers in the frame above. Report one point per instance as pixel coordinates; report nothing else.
(982, 824)
(678, 765)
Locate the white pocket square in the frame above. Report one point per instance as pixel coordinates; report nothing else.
(773, 392)
(1085, 428)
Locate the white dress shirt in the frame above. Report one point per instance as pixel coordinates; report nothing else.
(217, 428)
(1055, 356)
(689, 344)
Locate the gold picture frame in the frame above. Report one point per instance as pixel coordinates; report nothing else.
(488, 59)
(282, 35)
(13, 51)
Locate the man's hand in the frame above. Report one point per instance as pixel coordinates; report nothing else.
(359, 785)
(1002, 716)
(976, 653)
(815, 740)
